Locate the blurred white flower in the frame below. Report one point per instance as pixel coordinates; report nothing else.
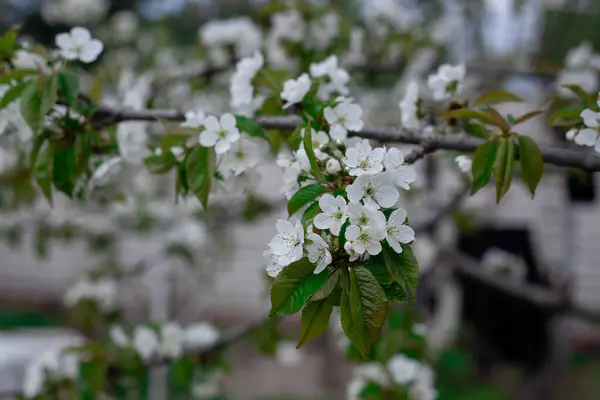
(103, 292)
(294, 90)
(132, 138)
(79, 45)
(171, 340)
(288, 25)
(318, 252)
(194, 119)
(448, 81)
(118, 336)
(408, 107)
(241, 33)
(402, 369)
(333, 166)
(344, 117)
(55, 363)
(287, 354)
(74, 12)
(464, 163)
(220, 133)
(190, 233)
(145, 342)
(200, 335)
(244, 154)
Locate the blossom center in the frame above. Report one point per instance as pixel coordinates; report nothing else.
(370, 190)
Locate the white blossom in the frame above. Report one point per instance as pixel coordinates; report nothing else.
(333, 166)
(24, 59)
(397, 232)
(273, 268)
(145, 342)
(374, 190)
(365, 239)
(363, 216)
(241, 88)
(403, 370)
(294, 90)
(333, 215)
(288, 25)
(336, 78)
(220, 133)
(118, 336)
(194, 119)
(402, 175)
(351, 252)
(244, 154)
(318, 252)
(191, 233)
(288, 355)
(323, 30)
(319, 139)
(171, 340)
(570, 135)
(344, 117)
(241, 33)
(464, 163)
(287, 245)
(408, 107)
(423, 385)
(200, 335)
(132, 141)
(362, 159)
(103, 292)
(73, 12)
(447, 81)
(56, 363)
(79, 45)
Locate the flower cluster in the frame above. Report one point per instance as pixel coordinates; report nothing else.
(241, 33)
(169, 342)
(401, 371)
(241, 88)
(590, 134)
(447, 82)
(103, 292)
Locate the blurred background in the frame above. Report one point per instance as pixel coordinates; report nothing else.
(507, 293)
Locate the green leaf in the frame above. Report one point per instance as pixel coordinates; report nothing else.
(403, 268)
(68, 81)
(160, 164)
(532, 162)
(477, 130)
(37, 100)
(504, 167)
(499, 120)
(83, 149)
(304, 196)
(469, 114)
(342, 237)
(315, 319)
(364, 309)
(12, 94)
(527, 116)
(171, 140)
(44, 171)
(483, 163)
(585, 97)
(310, 213)
(570, 116)
(64, 169)
(295, 138)
(249, 125)
(200, 169)
(311, 107)
(330, 285)
(294, 286)
(496, 97)
(308, 147)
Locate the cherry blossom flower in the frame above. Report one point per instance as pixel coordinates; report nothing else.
(220, 133)
(241, 89)
(344, 117)
(423, 385)
(289, 25)
(200, 335)
(323, 30)
(287, 245)
(464, 163)
(288, 355)
(333, 166)
(273, 268)
(171, 340)
(243, 155)
(365, 239)
(194, 119)
(447, 81)
(351, 252)
(79, 45)
(403, 175)
(319, 139)
(397, 232)
(336, 78)
(118, 336)
(145, 342)
(294, 90)
(362, 159)
(375, 190)
(318, 252)
(403, 370)
(333, 215)
(408, 107)
(363, 216)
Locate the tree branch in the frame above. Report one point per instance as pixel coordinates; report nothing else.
(560, 157)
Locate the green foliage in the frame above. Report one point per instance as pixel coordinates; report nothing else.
(586, 98)
(565, 117)
(37, 100)
(310, 213)
(308, 147)
(403, 268)
(363, 309)
(315, 319)
(249, 125)
(504, 166)
(44, 171)
(477, 130)
(13, 93)
(64, 171)
(200, 168)
(294, 286)
(532, 163)
(304, 196)
(483, 164)
(68, 82)
(496, 97)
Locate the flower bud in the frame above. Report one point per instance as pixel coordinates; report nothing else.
(571, 134)
(333, 166)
